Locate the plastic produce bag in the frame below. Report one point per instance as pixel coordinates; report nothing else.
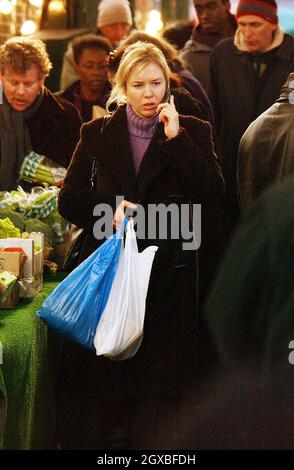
(120, 329)
(43, 202)
(40, 169)
(75, 306)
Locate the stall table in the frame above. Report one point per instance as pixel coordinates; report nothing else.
(30, 354)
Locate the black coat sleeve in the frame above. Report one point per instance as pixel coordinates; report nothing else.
(72, 131)
(192, 152)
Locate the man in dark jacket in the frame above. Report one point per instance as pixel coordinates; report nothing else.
(266, 151)
(215, 23)
(90, 93)
(31, 118)
(247, 74)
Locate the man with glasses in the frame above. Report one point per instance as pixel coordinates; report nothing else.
(32, 120)
(89, 94)
(114, 22)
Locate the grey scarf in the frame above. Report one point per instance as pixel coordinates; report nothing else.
(15, 141)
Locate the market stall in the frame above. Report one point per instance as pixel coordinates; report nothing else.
(27, 375)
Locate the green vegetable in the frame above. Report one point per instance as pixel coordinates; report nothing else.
(9, 203)
(7, 281)
(43, 197)
(16, 218)
(3, 195)
(8, 230)
(54, 217)
(17, 193)
(36, 225)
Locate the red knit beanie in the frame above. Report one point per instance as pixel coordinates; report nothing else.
(266, 9)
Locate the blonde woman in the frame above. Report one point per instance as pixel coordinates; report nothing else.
(150, 155)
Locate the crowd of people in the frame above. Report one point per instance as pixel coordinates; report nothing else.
(203, 115)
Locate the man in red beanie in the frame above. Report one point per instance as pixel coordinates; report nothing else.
(257, 24)
(247, 74)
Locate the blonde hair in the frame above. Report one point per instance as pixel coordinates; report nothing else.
(20, 54)
(169, 51)
(140, 53)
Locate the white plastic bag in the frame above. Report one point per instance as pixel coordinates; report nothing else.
(120, 329)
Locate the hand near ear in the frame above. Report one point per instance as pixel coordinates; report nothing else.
(170, 118)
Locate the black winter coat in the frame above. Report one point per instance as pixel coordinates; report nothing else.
(238, 98)
(181, 169)
(73, 95)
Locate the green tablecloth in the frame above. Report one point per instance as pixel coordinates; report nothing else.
(30, 354)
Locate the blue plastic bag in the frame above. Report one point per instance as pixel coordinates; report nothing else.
(74, 308)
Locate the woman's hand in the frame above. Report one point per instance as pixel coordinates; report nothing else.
(119, 214)
(170, 118)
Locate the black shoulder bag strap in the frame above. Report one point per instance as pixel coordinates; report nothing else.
(94, 159)
(77, 235)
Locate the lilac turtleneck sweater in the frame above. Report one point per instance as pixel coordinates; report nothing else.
(141, 131)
